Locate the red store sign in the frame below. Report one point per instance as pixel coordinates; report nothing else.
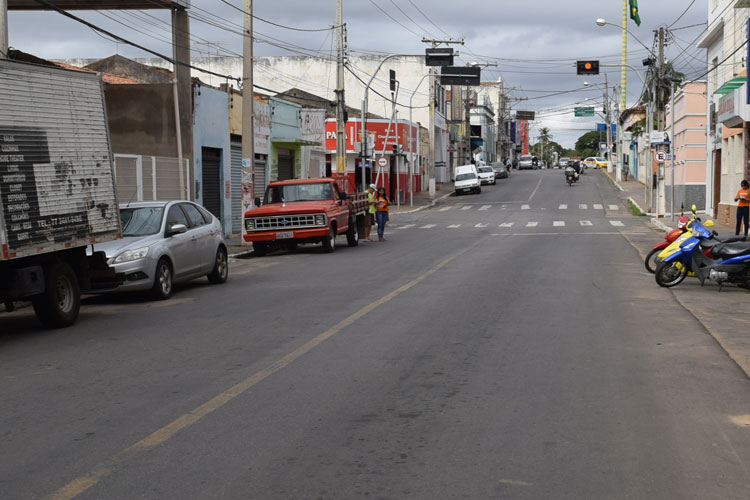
(377, 129)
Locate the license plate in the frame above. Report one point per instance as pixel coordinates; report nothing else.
(281, 236)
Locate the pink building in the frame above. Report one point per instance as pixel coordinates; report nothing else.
(688, 147)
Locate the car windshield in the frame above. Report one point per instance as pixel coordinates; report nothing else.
(141, 221)
(485, 169)
(465, 177)
(299, 192)
(526, 158)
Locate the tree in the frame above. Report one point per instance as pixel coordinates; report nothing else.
(588, 144)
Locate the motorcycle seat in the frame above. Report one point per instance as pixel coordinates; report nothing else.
(731, 249)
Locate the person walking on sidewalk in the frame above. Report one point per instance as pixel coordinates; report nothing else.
(381, 214)
(743, 206)
(370, 216)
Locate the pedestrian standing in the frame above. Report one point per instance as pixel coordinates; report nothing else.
(381, 203)
(370, 215)
(743, 206)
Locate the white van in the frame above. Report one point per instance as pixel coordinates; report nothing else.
(467, 180)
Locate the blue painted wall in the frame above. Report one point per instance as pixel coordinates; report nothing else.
(211, 130)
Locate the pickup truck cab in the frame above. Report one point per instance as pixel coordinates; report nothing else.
(305, 211)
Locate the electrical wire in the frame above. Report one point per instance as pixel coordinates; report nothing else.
(684, 12)
(276, 24)
(394, 19)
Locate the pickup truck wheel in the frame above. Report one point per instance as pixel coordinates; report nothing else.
(260, 248)
(329, 243)
(58, 306)
(220, 272)
(352, 235)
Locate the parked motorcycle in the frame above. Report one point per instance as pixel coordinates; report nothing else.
(729, 263)
(675, 261)
(651, 259)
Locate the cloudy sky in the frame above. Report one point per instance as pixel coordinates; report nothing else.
(534, 43)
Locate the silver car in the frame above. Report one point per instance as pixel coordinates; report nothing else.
(166, 242)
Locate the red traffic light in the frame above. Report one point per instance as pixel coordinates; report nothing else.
(587, 67)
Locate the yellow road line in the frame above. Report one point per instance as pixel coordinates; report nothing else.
(81, 484)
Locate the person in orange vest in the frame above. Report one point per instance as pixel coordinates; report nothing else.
(381, 204)
(743, 206)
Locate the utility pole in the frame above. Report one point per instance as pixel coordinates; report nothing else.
(661, 118)
(248, 103)
(431, 166)
(608, 119)
(340, 103)
(3, 29)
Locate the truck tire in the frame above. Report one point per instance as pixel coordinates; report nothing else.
(352, 235)
(329, 243)
(260, 248)
(162, 288)
(59, 305)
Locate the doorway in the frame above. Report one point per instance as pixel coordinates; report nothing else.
(211, 179)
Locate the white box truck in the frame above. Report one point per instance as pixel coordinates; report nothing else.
(57, 189)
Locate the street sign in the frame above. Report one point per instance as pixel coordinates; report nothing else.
(439, 56)
(661, 156)
(525, 115)
(382, 162)
(584, 111)
(460, 75)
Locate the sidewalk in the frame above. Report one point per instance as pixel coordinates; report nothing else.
(636, 193)
(422, 201)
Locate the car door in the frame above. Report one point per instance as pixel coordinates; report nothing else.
(185, 258)
(203, 234)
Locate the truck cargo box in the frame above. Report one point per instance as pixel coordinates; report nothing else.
(56, 172)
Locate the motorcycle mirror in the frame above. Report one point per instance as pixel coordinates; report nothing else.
(714, 233)
(694, 208)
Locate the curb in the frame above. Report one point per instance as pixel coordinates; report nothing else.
(423, 207)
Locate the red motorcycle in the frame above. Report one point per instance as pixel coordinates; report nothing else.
(675, 233)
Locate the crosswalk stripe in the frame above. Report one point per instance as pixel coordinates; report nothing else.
(532, 224)
(598, 207)
(558, 223)
(616, 223)
(614, 207)
(407, 226)
(586, 223)
(507, 224)
(485, 207)
(563, 207)
(453, 226)
(481, 224)
(525, 207)
(428, 226)
(466, 207)
(445, 209)
(583, 206)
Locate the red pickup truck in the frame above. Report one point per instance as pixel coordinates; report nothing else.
(305, 211)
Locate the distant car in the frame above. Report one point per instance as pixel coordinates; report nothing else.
(525, 162)
(166, 242)
(501, 170)
(467, 180)
(486, 175)
(595, 161)
(563, 162)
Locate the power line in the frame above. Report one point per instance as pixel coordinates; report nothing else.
(683, 13)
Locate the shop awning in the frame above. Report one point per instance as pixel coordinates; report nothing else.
(476, 142)
(297, 142)
(731, 85)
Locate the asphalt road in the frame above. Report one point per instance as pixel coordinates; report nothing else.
(501, 345)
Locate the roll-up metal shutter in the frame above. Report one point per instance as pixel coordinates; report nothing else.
(236, 187)
(211, 177)
(55, 161)
(259, 188)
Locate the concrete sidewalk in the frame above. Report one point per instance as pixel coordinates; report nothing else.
(420, 202)
(636, 191)
(720, 311)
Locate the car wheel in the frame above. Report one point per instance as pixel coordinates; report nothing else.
(220, 272)
(58, 307)
(329, 243)
(260, 248)
(162, 288)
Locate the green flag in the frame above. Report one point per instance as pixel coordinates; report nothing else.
(634, 12)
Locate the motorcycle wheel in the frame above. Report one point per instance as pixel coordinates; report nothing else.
(650, 261)
(669, 274)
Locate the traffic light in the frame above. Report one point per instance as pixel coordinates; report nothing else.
(393, 80)
(587, 67)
